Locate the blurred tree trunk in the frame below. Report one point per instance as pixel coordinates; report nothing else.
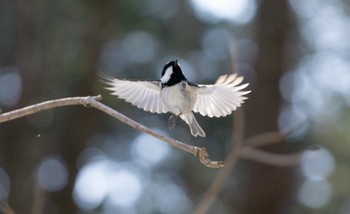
(268, 185)
(82, 123)
(22, 150)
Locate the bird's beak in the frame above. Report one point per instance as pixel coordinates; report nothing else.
(176, 62)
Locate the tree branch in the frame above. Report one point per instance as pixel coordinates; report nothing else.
(268, 158)
(93, 101)
(4, 117)
(265, 139)
(219, 181)
(241, 149)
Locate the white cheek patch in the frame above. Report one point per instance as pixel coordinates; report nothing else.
(166, 77)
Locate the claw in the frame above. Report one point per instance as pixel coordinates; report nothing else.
(172, 121)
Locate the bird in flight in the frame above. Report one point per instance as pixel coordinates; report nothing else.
(175, 94)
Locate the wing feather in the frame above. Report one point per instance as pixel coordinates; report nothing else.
(143, 94)
(221, 98)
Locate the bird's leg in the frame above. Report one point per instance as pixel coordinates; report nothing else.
(172, 121)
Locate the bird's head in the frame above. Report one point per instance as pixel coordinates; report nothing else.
(172, 74)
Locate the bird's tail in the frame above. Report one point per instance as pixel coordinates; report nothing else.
(196, 130)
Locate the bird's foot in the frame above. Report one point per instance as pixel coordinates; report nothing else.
(172, 121)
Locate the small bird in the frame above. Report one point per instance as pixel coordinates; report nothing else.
(175, 94)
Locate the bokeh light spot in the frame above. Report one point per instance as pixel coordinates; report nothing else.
(149, 151)
(317, 164)
(5, 184)
(125, 188)
(10, 86)
(91, 185)
(315, 194)
(170, 198)
(216, 43)
(292, 121)
(140, 47)
(156, 8)
(52, 174)
(238, 11)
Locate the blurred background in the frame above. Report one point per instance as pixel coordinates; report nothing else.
(295, 55)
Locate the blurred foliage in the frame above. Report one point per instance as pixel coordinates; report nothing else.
(77, 160)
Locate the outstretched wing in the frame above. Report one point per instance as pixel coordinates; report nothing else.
(222, 98)
(143, 94)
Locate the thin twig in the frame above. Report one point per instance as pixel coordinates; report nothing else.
(265, 139)
(230, 162)
(240, 150)
(238, 130)
(38, 199)
(92, 101)
(270, 158)
(4, 117)
(244, 149)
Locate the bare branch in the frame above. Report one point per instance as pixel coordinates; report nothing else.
(241, 150)
(92, 101)
(4, 117)
(204, 159)
(270, 158)
(265, 139)
(38, 199)
(210, 196)
(216, 186)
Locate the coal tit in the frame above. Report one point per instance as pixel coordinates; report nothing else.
(175, 94)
